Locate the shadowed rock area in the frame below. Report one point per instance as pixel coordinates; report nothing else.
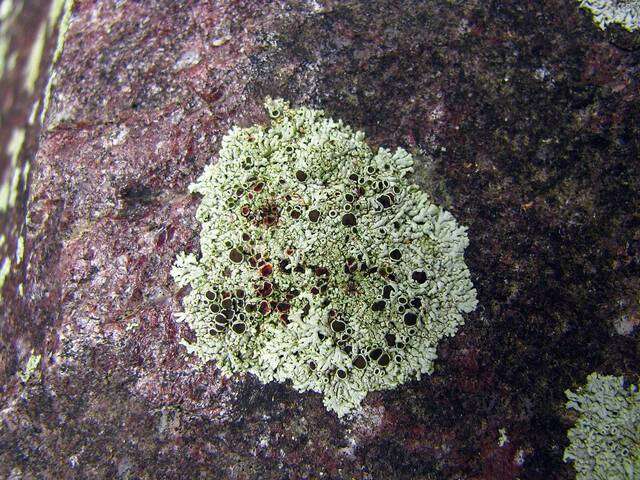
(523, 117)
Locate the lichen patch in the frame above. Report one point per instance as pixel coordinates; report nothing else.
(605, 441)
(320, 263)
(625, 13)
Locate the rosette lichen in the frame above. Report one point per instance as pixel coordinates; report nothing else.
(321, 264)
(625, 13)
(605, 441)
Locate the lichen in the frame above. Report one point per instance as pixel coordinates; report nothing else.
(30, 367)
(320, 262)
(502, 439)
(625, 13)
(605, 441)
(19, 250)
(5, 269)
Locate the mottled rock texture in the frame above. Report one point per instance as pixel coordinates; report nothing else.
(524, 118)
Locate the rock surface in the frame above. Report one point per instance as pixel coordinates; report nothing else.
(524, 116)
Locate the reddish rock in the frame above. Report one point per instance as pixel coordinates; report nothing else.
(523, 118)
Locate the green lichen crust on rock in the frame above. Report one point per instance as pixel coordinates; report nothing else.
(605, 442)
(625, 13)
(320, 263)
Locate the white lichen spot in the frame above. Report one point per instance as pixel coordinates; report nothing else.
(5, 268)
(20, 250)
(4, 195)
(219, 41)
(116, 137)
(541, 73)
(30, 367)
(626, 324)
(463, 27)
(131, 326)
(188, 59)
(263, 441)
(321, 263)
(318, 7)
(625, 13)
(502, 439)
(437, 113)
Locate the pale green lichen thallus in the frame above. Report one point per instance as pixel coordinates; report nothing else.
(320, 262)
(605, 441)
(625, 13)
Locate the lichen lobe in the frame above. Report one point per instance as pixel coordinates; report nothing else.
(625, 13)
(605, 441)
(321, 264)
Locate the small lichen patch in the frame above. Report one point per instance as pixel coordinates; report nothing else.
(117, 136)
(502, 439)
(30, 367)
(132, 326)
(20, 250)
(219, 41)
(625, 13)
(321, 264)
(187, 59)
(5, 268)
(605, 441)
